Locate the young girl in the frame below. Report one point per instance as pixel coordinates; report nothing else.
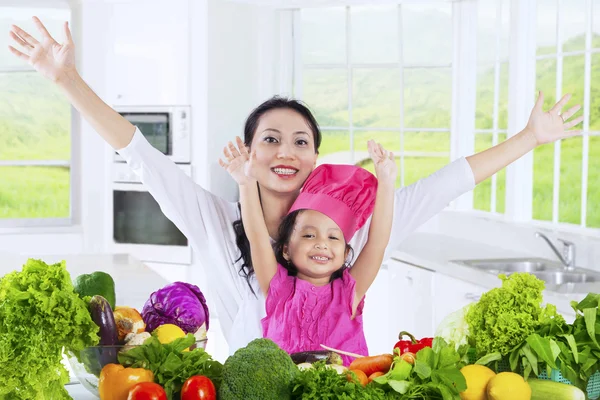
(312, 297)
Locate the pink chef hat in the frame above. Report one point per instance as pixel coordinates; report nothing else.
(345, 193)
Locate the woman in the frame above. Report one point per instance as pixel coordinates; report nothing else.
(286, 139)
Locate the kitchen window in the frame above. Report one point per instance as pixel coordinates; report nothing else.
(36, 180)
(491, 112)
(372, 80)
(566, 175)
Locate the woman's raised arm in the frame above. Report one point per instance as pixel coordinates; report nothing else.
(56, 62)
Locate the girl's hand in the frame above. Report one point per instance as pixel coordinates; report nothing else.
(383, 160)
(51, 59)
(547, 127)
(239, 162)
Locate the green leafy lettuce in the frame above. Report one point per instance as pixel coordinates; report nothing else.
(171, 365)
(40, 314)
(504, 317)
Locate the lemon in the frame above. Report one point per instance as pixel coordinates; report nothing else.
(168, 332)
(508, 386)
(477, 377)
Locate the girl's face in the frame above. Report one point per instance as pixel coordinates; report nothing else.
(285, 151)
(316, 247)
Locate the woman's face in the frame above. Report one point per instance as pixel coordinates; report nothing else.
(285, 151)
(316, 246)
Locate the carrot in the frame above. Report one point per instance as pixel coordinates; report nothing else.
(375, 375)
(357, 375)
(369, 365)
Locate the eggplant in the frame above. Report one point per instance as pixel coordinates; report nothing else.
(102, 315)
(329, 357)
(107, 349)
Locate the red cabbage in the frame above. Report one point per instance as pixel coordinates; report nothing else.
(178, 303)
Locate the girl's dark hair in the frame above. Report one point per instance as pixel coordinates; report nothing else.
(274, 103)
(286, 228)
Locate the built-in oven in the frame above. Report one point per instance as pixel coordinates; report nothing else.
(139, 227)
(167, 128)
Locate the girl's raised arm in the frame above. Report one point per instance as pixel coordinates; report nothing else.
(369, 261)
(239, 166)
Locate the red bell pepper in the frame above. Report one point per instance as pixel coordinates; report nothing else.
(413, 345)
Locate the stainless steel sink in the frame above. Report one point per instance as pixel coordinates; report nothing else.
(555, 275)
(559, 278)
(509, 265)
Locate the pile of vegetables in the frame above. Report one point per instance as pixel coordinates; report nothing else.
(39, 315)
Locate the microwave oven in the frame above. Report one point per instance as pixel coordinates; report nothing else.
(167, 128)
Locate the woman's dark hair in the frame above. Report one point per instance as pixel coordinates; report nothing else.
(286, 228)
(274, 103)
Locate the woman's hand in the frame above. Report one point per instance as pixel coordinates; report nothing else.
(53, 60)
(383, 160)
(239, 162)
(547, 127)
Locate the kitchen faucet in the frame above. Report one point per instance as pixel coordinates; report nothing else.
(567, 258)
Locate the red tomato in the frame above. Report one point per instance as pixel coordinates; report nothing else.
(198, 388)
(147, 391)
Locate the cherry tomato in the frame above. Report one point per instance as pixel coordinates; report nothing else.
(147, 391)
(198, 388)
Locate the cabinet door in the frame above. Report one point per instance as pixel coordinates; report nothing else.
(149, 53)
(452, 294)
(378, 311)
(411, 290)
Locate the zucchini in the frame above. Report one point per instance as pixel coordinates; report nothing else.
(548, 390)
(329, 357)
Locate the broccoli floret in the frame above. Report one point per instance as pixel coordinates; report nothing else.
(259, 371)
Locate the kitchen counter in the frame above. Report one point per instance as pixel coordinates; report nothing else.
(134, 281)
(436, 252)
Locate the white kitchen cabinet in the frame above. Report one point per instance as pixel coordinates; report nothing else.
(148, 58)
(411, 297)
(452, 294)
(379, 310)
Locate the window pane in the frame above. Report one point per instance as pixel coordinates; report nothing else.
(34, 192)
(503, 97)
(486, 31)
(543, 176)
(415, 168)
(35, 119)
(319, 23)
(596, 24)
(376, 98)
(573, 74)
(546, 26)
(374, 33)
(53, 19)
(593, 193)
(569, 209)
(595, 94)
(484, 110)
(326, 93)
(427, 142)
(546, 81)
(427, 97)
(482, 193)
(501, 183)
(427, 33)
(389, 140)
(571, 151)
(573, 22)
(334, 143)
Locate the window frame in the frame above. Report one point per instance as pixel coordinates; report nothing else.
(74, 218)
(521, 98)
(299, 67)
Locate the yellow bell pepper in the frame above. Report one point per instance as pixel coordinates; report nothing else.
(116, 380)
